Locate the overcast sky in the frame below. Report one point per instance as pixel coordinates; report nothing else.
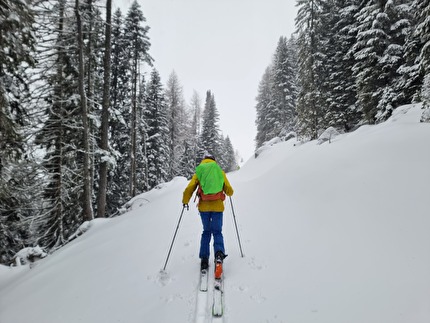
(218, 45)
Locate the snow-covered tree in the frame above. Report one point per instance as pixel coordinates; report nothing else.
(210, 135)
(178, 124)
(282, 112)
(229, 156)
(263, 107)
(136, 36)
(397, 25)
(277, 93)
(341, 92)
(312, 73)
(61, 133)
(16, 54)
(195, 129)
(119, 122)
(157, 132)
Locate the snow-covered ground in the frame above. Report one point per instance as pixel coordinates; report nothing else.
(332, 233)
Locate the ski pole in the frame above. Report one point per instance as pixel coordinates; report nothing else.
(235, 224)
(174, 236)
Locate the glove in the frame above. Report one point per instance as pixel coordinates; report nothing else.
(186, 206)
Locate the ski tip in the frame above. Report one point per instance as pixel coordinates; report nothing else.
(216, 314)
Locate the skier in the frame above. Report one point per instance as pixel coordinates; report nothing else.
(212, 183)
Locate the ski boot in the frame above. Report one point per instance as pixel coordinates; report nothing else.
(219, 258)
(204, 265)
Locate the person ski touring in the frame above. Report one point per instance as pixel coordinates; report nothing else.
(212, 184)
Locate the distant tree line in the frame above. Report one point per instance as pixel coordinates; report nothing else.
(81, 129)
(350, 62)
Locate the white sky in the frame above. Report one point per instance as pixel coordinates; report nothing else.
(218, 45)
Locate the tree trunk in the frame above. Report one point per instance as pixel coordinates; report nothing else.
(87, 206)
(133, 128)
(101, 203)
(90, 91)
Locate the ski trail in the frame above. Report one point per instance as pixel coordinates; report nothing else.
(204, 302)
(201, 307)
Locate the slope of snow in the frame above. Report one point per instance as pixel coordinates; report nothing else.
(337, 232)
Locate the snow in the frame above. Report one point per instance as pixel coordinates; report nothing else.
(337, 232)
(29, 255)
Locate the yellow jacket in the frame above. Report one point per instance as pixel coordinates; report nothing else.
(207, 206)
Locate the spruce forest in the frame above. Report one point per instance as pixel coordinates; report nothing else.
(86, 122)
(349, 63)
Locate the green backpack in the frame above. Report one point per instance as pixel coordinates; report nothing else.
(211, 180)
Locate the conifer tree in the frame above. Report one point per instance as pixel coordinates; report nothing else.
(423, 31)
(397, 24)
(87, 207)
(195, 130)
(410, 79)
(210, 136)
(61, 137)
(177, 123)
(311, 106)
(342, 112)
(264, 103)
(137, 37)
(119, 129)
(372, 40)
(104, 129)
(157, 132)
(282, 113)
(230, 156)
(417, 53)
(16, 54)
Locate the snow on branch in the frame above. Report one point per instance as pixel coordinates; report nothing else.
(28, 255)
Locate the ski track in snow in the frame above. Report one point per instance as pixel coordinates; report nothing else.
(204, 301)
(201, 307)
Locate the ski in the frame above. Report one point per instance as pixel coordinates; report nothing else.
(218, 297)
(204, 276)
(218, 302)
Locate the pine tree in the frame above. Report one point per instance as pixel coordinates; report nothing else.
(372, 40)
(195, 130)
(16, 54)
(342, 112)
(87, 207)
(177, 124)
(210, 136)
(423, 32)
(397, 24)
(104, 129)
(137, 36)
(16, 173)
(157, 132)
(282, 113)
(263, 107)
(230, 156)
(410, 79)
(119, 129)
(61, 137)
(311, 103)
(417, 53)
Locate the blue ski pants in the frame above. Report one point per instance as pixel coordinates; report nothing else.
(212, 225)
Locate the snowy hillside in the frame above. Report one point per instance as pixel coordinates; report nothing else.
(332, 233)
